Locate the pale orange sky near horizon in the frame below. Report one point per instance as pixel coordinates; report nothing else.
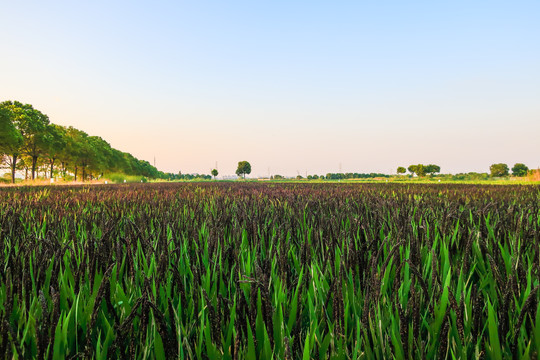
(292, 88)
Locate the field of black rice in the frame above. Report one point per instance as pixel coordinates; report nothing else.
(283, 271)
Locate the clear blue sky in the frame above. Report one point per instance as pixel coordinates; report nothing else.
(291, 86)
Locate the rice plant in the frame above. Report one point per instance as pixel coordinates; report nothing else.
(262, 271)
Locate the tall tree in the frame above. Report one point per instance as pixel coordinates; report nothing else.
(56, 137)
(87, 153)
(118, 162)
(71, 157)
(214, 173)
(102, 156)
(10, 138)
(32, 124)
(401, 170)
(244, 168)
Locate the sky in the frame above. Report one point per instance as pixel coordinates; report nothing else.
(293, 87)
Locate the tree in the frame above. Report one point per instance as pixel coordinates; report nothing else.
(419, 170)
(401, 170)
(498, 170)
(80, 151)
(520, 169)
(33, 124)
(432, 169)
(8, 131)
(244, 168)
(102, 159)
(24, 164)
(56, 142)
(68, 155)
(29, 141)
(10, 138)
(214, 173)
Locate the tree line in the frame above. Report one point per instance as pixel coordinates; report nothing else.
(495, 170)
(344, 176)
(28, 141)
(420, 170)
(501, 169)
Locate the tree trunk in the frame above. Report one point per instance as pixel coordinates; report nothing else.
(52, 164)
(83, 173)
(76, 168)
(13, 165)
(34, 162)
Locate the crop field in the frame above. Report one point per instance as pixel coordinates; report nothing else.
(262, 271)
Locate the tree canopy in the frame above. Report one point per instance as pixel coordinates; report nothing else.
(419, 170)
(422, 170)
(244, 168)
(498, 170)
(343, 176)
(520, 169)
(432, 169)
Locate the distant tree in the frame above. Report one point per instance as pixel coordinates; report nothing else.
(102, 159)
(146, 169)
(520, 170)
(119, 163)
(70, 154)
(498, 170)
(244, 168)
(214, 173)
(401, 170)
(432, 169)
(82, 152)
(24, 164)
(419, 170)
